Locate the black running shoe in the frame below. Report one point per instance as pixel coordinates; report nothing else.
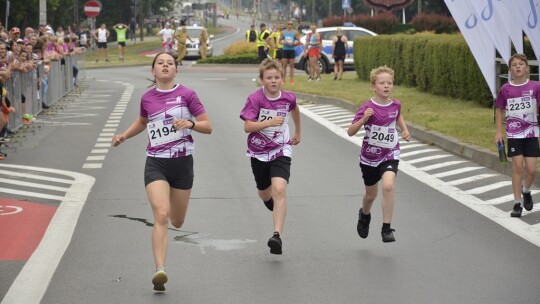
(275, 244)
(516, 212)
(270, 204)
(363, 224)
(527, 201)
(388, 235)
(159, 279)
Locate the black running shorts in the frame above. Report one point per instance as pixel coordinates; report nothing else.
(264, 171)
(528, 147)
(373, 175)
(178, 172)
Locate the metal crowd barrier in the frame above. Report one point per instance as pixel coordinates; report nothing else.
(23, 93)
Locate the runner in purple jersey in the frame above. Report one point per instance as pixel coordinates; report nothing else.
(379, 156)
(517, 101)
(266, 119)
(169, 112)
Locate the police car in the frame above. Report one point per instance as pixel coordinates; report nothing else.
(326, 62)
(192, 47)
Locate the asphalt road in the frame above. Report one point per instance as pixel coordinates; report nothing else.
(445, 252)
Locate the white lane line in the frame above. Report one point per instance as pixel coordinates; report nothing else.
(500, 217)
(340, 113)
(92, 166)
(505, 198)
(470, 179)
(441, 165)
(99, 151)
(456, 171)
(33, 280)
(95, 157)
(33, 176)
(412, 153)
(487, 188)
(406, 147)
(428, 158)
(32, 194)
(33, 185)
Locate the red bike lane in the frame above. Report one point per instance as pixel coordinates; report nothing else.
(22, 226)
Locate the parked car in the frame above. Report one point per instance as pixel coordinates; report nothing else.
(326, 62)
(192, 47)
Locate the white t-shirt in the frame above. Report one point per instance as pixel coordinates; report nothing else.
(166, 33)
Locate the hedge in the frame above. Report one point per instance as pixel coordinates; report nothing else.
(440, 64)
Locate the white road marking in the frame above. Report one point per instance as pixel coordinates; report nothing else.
(33, 280)
(470, 179)
(500, 217)
(456, 171)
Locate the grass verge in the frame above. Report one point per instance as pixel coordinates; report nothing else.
(465, 120)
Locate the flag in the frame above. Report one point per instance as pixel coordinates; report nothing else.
(477, 38)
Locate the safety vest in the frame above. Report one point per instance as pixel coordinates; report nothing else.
(248, 34)
(260, 40)
(275, 35)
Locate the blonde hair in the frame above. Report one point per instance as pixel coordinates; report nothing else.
(339, 30)
(377, 71)
(269, 64)
(521, 57)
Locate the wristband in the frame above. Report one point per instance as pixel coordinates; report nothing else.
(193, 126)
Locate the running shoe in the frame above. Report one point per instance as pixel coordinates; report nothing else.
(335, 77)
(292, 82)
(275, 244)
(270, 204)
(309, 79)
(159, 279)
(516, 212)
(283, 81)
(527, 201)
(388, 235)
(363, 224)
(318, 79)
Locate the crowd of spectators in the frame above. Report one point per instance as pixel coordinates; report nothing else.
(32, 52)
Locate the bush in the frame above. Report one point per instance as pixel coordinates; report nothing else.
(241, 48)
(434, 22)
(438, 64)
(232, 59)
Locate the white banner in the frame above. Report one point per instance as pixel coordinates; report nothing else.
(477, 37)
(485, 10)
(505, 8)
(529, 21)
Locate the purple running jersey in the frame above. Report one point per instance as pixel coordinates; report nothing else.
(381, 141)
(521, 105)
(161, 107)
(271, 142)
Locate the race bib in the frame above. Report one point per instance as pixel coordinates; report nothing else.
(383, 137)
(521, 105)
(266, 114)
(162, 132)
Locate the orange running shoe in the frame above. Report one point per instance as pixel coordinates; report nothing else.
(292, 82)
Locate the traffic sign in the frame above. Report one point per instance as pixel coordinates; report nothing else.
(92, 8)
(345, 4)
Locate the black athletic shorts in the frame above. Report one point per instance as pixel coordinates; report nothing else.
(528, 147)
(264, 171)
(178, 172)
(122, 43)
(279, 53)
(339, 58)
(288, 54)
(102, 45)
(373, 175)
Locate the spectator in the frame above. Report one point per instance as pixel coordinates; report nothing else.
(60, 33)
(165, 34)
(132, 28)
(121, 30)
(251, 34)
(203, 41)
(261, 42)
(101, 35)
(27, 33)
(181, 37)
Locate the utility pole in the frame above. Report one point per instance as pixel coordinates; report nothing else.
(419, 6)
(42, 12)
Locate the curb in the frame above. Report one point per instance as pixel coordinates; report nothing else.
(450, 144)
